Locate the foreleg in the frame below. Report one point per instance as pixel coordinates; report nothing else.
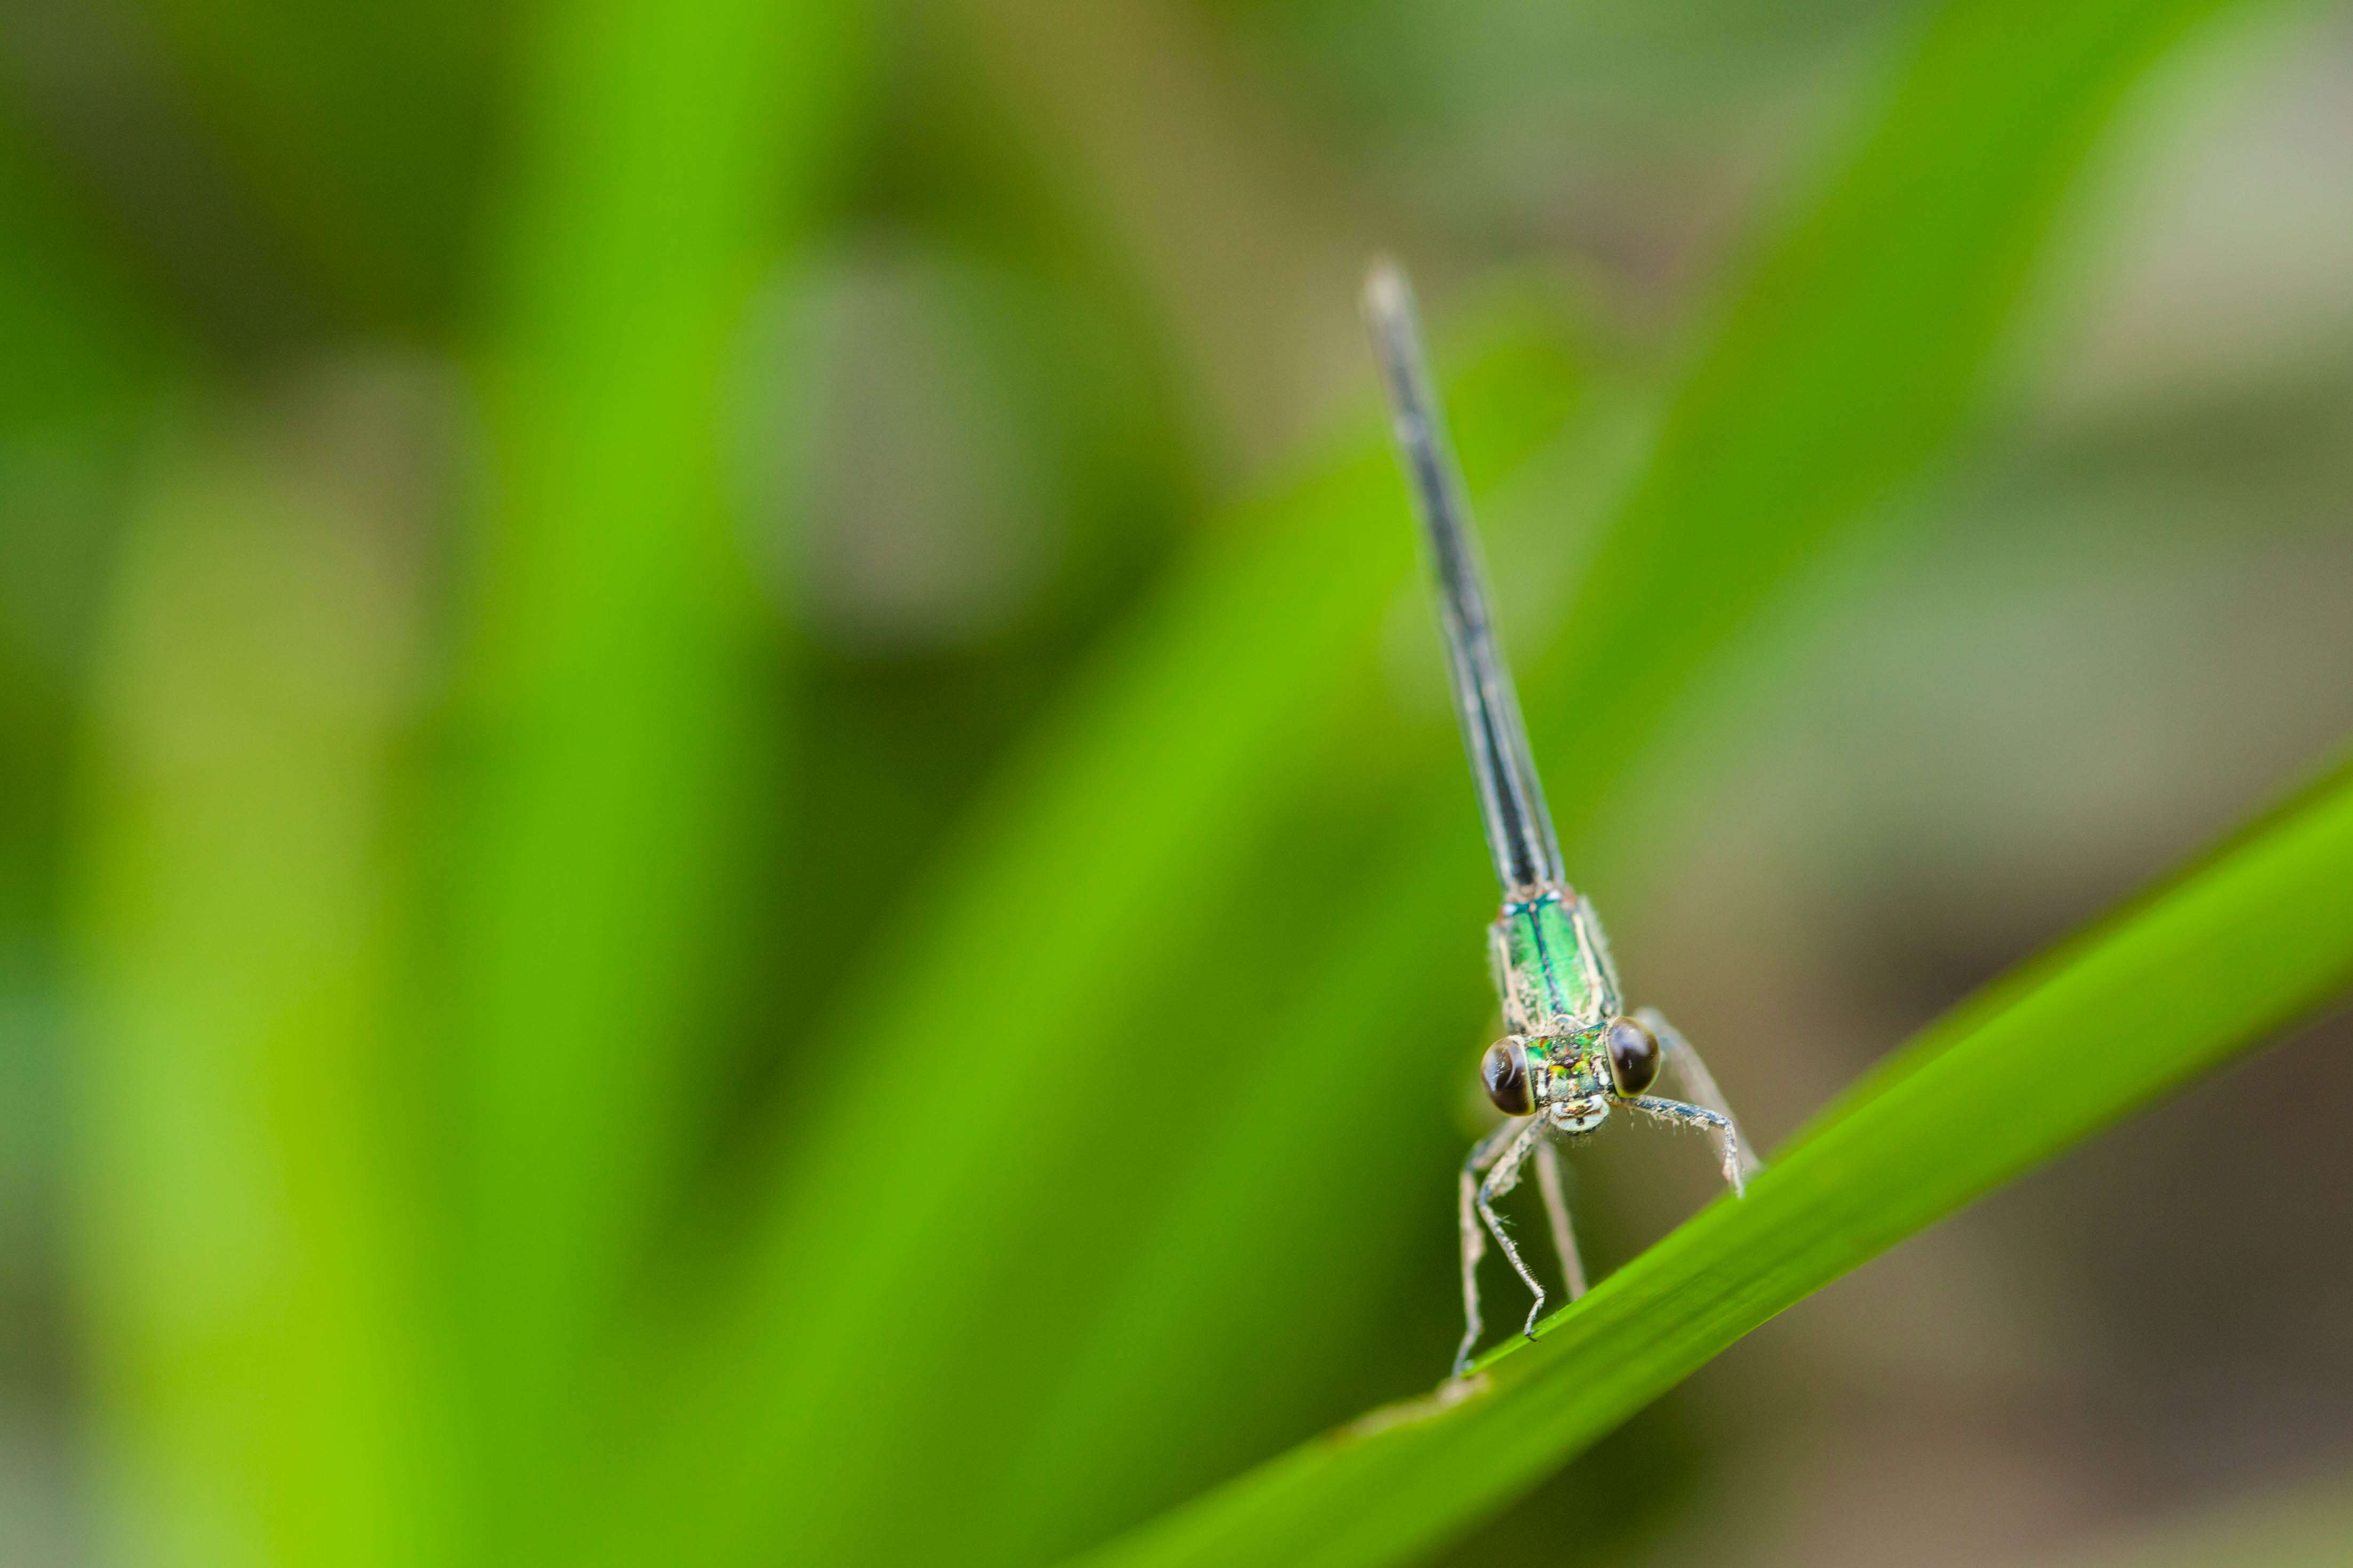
(1728, 1136)
(1698, 1086)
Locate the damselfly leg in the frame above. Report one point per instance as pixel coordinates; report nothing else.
(1503, 1153)
(1482, 1154)
(1727, 1137)
(1556, 1201)
(1698, 1086)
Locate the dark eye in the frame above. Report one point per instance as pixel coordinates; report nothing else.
(1633, 1056)
(1505, 1074)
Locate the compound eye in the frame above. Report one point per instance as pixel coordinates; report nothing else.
(1633, 1056)
(1505, 1073)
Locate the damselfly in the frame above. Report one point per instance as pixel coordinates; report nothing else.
(1570, 1051)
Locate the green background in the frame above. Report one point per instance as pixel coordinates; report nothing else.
(727, 826)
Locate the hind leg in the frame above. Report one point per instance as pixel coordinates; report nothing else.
(1564, 1236)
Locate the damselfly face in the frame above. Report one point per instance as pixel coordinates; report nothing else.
(1571, 1077)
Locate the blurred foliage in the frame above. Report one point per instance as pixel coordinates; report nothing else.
(729, 829)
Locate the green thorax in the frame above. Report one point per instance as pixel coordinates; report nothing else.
(1552, 964)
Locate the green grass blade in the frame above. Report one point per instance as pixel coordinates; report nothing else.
(248, 1231)
(356, 129)
(617, 724)
(83, 340)
(2042, 1061)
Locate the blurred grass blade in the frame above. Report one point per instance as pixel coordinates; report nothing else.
(1127, 826)
(358, 127)
(2039, 1062)
(618, 725)
(1845, 362)
(250, 1248)
(75, 330)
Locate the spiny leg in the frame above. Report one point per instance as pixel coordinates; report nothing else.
(1474, 1239)
(1500, 1181)
(1564, 1237)
(1698, 1086)
(1727, 1135)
